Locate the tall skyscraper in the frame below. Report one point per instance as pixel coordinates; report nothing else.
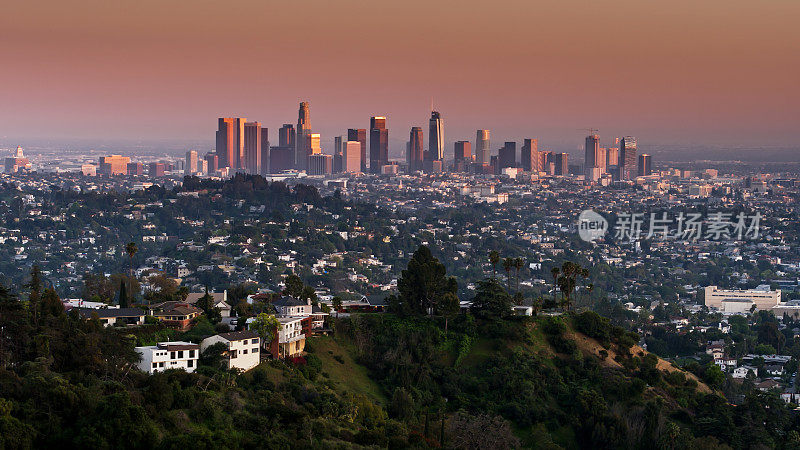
(226, 142)
(286, 135)
(435, 138)
(530, 155)
(338, 155)
(561, 164)
(264, 154)
(360, 135)
(627, 157)
(612, 157)
(415, 153)
(192, 165)
(592, 151)
(482, 151)
(238, 149)
(645, 165)
(378, 144)
(351, 157)
(303, 129)
(507, 157)
(252, 148)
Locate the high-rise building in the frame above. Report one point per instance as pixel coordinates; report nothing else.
(378, 144)
(212, 162)
(281, 158)
(264, 154)
(592, 151)
(561, 164)
(435, 138)
(156, 169)
(303, 130)
(113, 165)
(135, 168)
(252, 148)
(286, 135)
(192, 164)
(225, 141)
(507, 157)
(415, 155)
(645, 165)
(313, 143)
(627, 157)
(320, 164)
(612, 157)
(530, 155)
(338, 156)
(360, 135)
(351, 157)
(482, 151)
(462, 151)
(17, 162)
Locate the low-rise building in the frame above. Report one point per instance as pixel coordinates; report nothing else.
(114, 316)
(169, 355)
(243, 348)
(177, 314)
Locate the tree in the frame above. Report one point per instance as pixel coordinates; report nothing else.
(494, 258)
(294, 286)
(51, 304)
(267, 327)
(423, 286)
(206, 303)
(131, 250)
(337, 304)
(123, 295)
(518, 264)
(35, 293)
(469, 432)
(508, 264)
(491, 300)
(554, 271)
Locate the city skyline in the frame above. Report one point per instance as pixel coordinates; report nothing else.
(108, 75)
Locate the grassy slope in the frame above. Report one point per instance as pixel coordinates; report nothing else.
(348, 375)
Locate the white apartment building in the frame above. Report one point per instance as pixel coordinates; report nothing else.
(243, 352)
(740, 301)
(169, 355)
(291, 340)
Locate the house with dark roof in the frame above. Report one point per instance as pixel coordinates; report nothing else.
(179, 315)
(219, 300)
(243, 348)
(114, 316)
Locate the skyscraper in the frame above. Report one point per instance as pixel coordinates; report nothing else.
(435, 138)
(226, 142)
(338, 155)
(212, 162)
(462, 151)
(507, 157)
(592, 151)
(645, 165)
(482, 151)
(238, 131)
(351, 157)
(303, 129)
(191, 163)
(627, 157)
(378, 144)
(415, 152)
(286, 135)
(252, 148)
(530, 155)
(360, 135)
(264, 154)
(320, 164)
(561, 164)
(612, 157)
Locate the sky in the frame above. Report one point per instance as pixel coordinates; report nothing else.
(683, 72)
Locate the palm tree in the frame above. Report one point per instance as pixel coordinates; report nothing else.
(554, 271)
(131, 249)
(494, 258)
(508, 264)
(518, 264)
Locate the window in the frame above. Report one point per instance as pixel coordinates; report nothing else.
(191, 353)
(180, 354)
(161, 364)
(190, 363)
(244, 352)
(254, 341)
(155, 365)
(255, 350)
(233, 354)
(244, 342)
(171, 355)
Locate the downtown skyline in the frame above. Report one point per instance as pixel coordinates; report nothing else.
(547, 69)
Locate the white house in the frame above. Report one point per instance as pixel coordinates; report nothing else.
(243, 348)
(169, 355)
(742, 371)
(291, 339)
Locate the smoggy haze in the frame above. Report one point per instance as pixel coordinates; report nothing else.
(681, 71)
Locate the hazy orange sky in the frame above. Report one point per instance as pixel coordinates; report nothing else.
(704, 71)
